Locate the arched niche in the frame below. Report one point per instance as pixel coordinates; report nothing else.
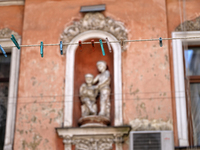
(69, 78)
(85, 62)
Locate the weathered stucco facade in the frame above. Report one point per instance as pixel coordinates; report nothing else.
(147, 69)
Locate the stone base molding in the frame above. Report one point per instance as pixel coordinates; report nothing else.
(93, 138)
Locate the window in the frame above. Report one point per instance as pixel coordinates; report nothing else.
(4, 86)
(187, 81)
(192, 77)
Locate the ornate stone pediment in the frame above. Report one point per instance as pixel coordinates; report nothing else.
(192, 25)
(95, 21)
(6, 33)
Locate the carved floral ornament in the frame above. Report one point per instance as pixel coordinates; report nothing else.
(191, 25)
(93, 142)
(95, 21)
(6, 33)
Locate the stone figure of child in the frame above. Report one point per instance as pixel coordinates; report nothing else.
(103, 85)
(88, 93)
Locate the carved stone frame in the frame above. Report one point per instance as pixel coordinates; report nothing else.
(69, 78)
(5, 41)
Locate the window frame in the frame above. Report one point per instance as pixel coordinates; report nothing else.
(12, 91)
(179, 81)
(190, 79)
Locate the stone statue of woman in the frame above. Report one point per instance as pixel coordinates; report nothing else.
(103, 86)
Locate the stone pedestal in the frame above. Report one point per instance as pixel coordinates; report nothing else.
(93, 138)
(94, 121)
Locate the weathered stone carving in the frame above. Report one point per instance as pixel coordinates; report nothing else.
(88, 94)
(144, 124)
(6, 33)
(67, 142)
(192, 25)
(103, 143)
(95, 21)
(103, 86)
(94, 138)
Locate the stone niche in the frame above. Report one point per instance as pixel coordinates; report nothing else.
(97, 131)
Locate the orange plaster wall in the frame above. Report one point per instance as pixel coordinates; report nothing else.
(12, 17)
(146, 79)
(145, 67)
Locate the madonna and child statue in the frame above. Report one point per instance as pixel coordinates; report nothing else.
(100, 85)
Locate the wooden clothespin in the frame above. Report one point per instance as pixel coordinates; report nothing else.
(80, 46)
(4, 53)
(41, 49)
(15, 41)
(160, 42)
(61, 48)
(109, 46)
(92, 41)
(122, 42)
(101, 43)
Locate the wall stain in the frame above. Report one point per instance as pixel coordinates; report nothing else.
(133, 92)
(32, 145)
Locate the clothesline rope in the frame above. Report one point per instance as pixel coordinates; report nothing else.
(120, 41)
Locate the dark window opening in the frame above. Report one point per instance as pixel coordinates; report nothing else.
(4, 86)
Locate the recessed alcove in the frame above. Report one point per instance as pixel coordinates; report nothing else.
(85, 62)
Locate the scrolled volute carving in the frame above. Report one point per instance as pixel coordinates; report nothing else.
(119, 138)
(191, 25)
(6, 33)
(105, 143)
(95, 21)
(67, 139)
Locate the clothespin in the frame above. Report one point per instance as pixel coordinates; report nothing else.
(160, 41)
(80, 46)
(15, 41)
(122, 43)
(61, 48)
(103, 52)
(41, 49)
(92, 41)
(4, 53)
(108, 43)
